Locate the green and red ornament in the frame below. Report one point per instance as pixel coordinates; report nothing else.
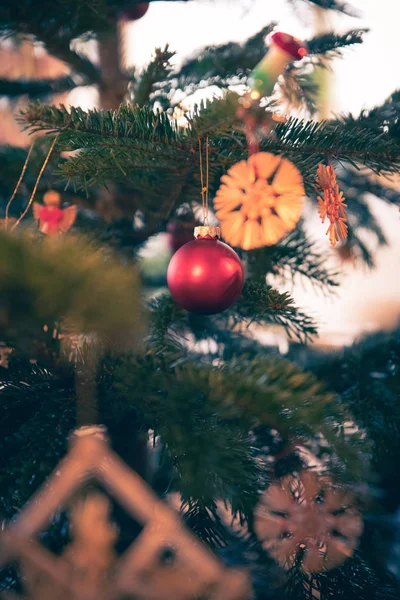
(283, 49)
(205, 276)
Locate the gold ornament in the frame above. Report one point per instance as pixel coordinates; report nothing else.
(331, 204)
(306, 520)
(204, 231)
(259, 201)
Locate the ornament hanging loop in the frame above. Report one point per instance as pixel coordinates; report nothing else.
(44, 165)
(204, 184)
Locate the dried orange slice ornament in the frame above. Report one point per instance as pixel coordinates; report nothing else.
(259, 201)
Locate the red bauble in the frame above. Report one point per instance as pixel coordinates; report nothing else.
(205, 276)
(135, 11)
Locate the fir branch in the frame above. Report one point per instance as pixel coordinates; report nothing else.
(203, 415)
(297, 256)
(164, 314)
(304, 408)
(36, 89)
(306, 142)
(262, 304)
(346, 142)
(331, 43)
(88, 291)
(55, 24)
(204, 521)
(383, 118)
(70, 19)
(200, 442)
(361, 183)
(359, 577)
(297, 89)
(368, 383)
(337, 5)
(359, 249)
(126, 122)
(36, 418)
(258, 303)
(231, 64)
(81, 65)
(156, 71)
(362, 216)
(224, 61)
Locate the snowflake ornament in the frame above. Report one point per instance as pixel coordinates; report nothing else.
(307, 521)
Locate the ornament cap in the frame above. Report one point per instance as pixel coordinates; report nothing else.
(289, 44)
(207, 231)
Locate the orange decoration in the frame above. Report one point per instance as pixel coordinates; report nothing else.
(259, 201)
(331, 204)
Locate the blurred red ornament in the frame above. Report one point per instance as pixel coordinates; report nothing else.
(135, 11)
(205, 276)
(180, 232)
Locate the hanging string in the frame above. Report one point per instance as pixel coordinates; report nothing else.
(204, 187)
(18, 183)
(253, 142)
(46, 160)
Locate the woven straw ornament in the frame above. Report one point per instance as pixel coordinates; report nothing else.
(307, 521)
(259, 201)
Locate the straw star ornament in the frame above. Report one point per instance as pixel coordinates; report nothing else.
(259, 201)
(331, 204)
(307, 521)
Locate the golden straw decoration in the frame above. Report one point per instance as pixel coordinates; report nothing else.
(259, 201)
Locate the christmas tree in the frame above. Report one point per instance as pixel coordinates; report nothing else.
(286, 470)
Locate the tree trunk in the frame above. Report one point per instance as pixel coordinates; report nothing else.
(112, 88)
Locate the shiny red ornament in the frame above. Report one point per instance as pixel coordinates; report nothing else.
(205, 276)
